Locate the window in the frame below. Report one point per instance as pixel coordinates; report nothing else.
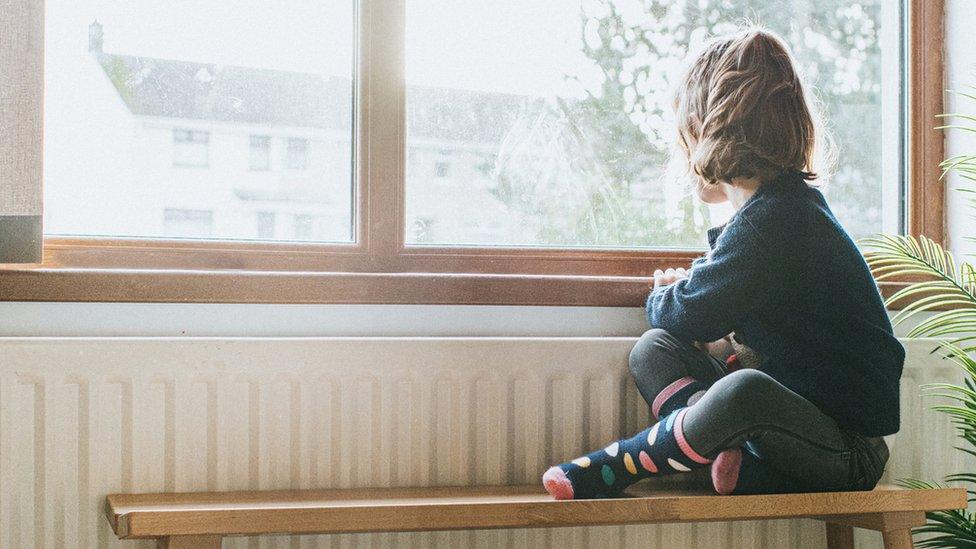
(297, 154)
(266, 225)
(304, 227)
(170, 105)
(549, 118)
(187, 223)
(191, 148)
(576, 114)
(260, 160)
(442, 169)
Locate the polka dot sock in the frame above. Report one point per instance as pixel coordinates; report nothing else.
(659, 450)
(738, 471)
(683, 392)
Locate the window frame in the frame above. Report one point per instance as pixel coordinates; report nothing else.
(380, 268)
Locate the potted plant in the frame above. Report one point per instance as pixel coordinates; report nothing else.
(945, 289)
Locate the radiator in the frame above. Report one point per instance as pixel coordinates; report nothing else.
(80, 418)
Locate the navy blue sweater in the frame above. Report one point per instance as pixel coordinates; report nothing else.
(789, 281)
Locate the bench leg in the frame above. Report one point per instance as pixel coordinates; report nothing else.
(189, 542)
(898, 539)
(896, 528)
(840, 536)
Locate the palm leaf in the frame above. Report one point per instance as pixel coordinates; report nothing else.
(947, 291)
(943, 285)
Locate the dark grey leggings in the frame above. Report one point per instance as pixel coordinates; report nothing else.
(748, 408)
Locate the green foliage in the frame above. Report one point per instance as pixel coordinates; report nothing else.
(948, 287)
(119, 74)
(617, 135)
(955, 528)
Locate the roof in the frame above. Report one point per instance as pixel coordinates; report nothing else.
(203, 91)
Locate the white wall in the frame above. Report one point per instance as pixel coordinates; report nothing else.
(228, 320)
(961, 74)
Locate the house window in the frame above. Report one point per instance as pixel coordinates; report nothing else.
(442, 169)
(297, 154)
(260, 158)
(191, 148)
(304, 227)
(178, 223)
(266, 225)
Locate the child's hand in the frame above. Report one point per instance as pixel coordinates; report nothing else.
(670, 276)
(721, 348)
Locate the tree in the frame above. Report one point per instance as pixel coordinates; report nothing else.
(607, 151)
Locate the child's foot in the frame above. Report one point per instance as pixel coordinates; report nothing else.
(738, 471)
(658, 450)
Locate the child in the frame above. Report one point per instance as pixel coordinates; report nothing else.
(789, 284)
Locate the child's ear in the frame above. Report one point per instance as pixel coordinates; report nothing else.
(711, 193)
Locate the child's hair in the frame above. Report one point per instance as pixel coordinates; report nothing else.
(742, 111)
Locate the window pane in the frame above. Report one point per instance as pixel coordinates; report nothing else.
(547, 122)
(297, 154)
(260, 152)
(200, 119)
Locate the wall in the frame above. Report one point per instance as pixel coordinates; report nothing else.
(237, 320)
(83, 417)
(961, 75)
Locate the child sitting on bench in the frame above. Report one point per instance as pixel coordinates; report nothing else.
(786, 279)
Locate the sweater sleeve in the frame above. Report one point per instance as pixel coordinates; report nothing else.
(741, 273)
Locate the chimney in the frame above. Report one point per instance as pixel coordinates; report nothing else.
(96, 37)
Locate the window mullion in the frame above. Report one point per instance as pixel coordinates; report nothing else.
(382, 115)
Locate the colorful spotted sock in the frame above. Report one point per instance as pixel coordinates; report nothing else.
(738, 471)
(683, 392)
(659, 450)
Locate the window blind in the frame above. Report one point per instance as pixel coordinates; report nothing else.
(21, 95)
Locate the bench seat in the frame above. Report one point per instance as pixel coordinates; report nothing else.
(200, 520)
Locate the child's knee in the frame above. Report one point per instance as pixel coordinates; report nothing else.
(649, 344)
(743, 392)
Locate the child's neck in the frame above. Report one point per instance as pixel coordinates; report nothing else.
(741, 190)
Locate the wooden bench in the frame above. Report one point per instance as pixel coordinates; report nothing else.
(200, 520)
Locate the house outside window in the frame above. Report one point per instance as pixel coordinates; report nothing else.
(297, 154)
(304, 225)
(442, 169)
(266, 225)
(182, 223)
(260, 157)
(191, 148)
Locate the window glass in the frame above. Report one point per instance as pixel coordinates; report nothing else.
(260, 159)
(191, 148)
(297, 154)
(157, 108)
(266, 225)
(178, 223)
(304, 225)
(557, 116)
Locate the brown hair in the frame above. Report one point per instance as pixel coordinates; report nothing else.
(742, 111)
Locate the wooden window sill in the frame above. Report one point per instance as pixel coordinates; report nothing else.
(174, 286)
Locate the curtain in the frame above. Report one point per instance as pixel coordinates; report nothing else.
(21, 94)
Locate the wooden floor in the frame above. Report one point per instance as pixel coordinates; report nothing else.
(168, 516)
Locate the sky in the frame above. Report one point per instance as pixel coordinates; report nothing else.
(519, 46)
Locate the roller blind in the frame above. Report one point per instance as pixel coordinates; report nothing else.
(21, 93)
